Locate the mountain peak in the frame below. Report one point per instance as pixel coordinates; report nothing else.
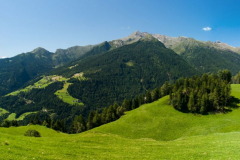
(148, 37)
(39, 49)
(137, 33)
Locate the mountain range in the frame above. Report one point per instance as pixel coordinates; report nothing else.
(99, 75)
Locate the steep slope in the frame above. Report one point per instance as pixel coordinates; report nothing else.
(161, 121)
(125, 72)
(204, 56)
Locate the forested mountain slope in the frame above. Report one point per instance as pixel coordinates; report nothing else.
(125, 72)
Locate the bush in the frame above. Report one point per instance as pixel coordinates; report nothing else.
(32, 133)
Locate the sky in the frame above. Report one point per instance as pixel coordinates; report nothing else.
(53, 24)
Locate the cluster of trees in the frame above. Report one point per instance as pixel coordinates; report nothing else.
(114, 112)
(202, 94)
(32, 133)
(236, 78)
(7, 123)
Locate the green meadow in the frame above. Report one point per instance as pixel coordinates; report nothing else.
(3, 111)
(42, 83)
(64, 95)
(12, 116)
(152, 131)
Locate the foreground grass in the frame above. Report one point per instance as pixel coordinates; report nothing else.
(65, 96)
(153, 131)
(90, 145)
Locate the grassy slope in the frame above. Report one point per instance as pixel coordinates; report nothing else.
(101, 144)
(3, 111)
(64, 95)
(160, 121)
(42, 83)
(53, 145)
(12, 116)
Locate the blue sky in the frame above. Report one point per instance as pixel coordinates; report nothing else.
(52, 24)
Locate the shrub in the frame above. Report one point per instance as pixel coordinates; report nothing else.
(32, 133)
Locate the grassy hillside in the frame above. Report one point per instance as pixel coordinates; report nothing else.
(53, 145)
(12, 116)
(42, 83)
(190, 137)
(3, 111)
(161, 121)
(65, 97)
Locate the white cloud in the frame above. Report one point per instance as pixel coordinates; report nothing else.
(207, 29)
(3, 57)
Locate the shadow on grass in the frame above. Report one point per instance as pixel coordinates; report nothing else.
(234, 102)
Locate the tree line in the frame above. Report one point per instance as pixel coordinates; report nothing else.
(202, 94)
(210, 92)
(115, 111)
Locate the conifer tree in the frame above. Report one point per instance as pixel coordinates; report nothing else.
(191, 102)
(148, 97)
(156, 94)
(78, 125)
(96, 119)
(204, 104)
(90, 120)
(104, 116)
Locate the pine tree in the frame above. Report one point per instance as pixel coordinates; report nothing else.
(204, 104)
(96, 120)
(156, 94)
(135, 103)
(90, 120)
(125, 105)
(191, 102)
(148, 97)
(120, 111)
(104, 116)
(78, 125)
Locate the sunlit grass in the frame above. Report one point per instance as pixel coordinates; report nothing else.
(153, 131)
(3, 111)
(12, 116)
(42, 83)
(160, 121)
(65, 96)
